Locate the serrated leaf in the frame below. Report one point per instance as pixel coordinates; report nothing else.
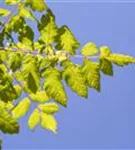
(48, 28)
(91, 72)
(24, 12)
(89, 49)
(66, 40)
(39, 5)
(120, 59)
(106, 67)
(40, 97)
(48, 122)
(4, 12)
(34, 119)
(54, 87)
(74, 79)
(22, 108)
(49, 108)
(7, 123)
(12, 2)
(105, 51)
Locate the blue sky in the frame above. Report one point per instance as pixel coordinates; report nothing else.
(106, 119)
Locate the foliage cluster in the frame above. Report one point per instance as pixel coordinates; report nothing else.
(35, 70)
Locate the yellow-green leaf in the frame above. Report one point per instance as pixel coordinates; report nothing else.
(40, 97)
(4, 12)
(91, 72)
(48, 28)
(22, 108)
(89, 49)
(48, 122)
(106, 67)
(120, 59)
(12, 2)
(36, 5)
(49, 108)
(7, 123)
(34, 119)
(24, 12)
(74, 79)
(105, 51)
(54, 87)
(66, 40)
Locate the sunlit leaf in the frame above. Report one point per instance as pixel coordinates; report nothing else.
(22, 108)
(89, 49)
(34, 119)
(48, 122)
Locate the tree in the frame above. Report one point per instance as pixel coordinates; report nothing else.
(33, 70)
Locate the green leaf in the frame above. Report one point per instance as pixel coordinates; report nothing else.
(26, 37)
(4, 12)
(7, 123)
(120, 59)
(106, 67)
(89, 49)
(12, 2)
(49, 108)
(48, 28)
(22, 108)
(66, 41)
(3, 56)
(48, 122)
(91, 72)
(15, 61)
(40, 97)
(74, 79)
(54, 87)
(25, 13)
(30, 73)
(16, 24)
(18, 90)
(39, 5)
(34, 119)
(105, 51)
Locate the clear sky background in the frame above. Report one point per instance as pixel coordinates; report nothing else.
(106, 119)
